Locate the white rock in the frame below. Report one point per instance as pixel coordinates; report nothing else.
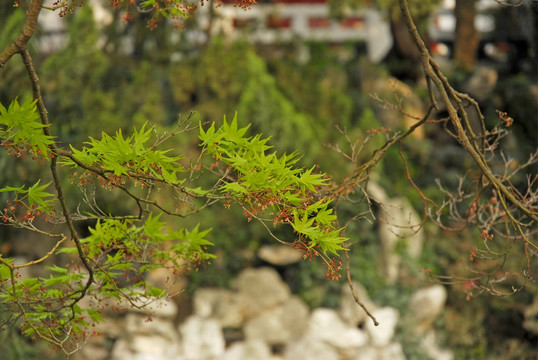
(254, 296)
(382, 334)
(113, 327)
(349, 310)
(430, 347)
(139, 324)
(367, 353)
(92, 352)
(155, 347)
(205, 301)
(279, 325)
(280, 255)
(260, 289)
(226, 307)
(164, 278)
(249, 350)
(391, 351)
(326, 326)
(121, 350)
(425, 305)
(310, 349)
(164, 307)
(202, 338)
(160, 307)
(146, 348)
(398, 222)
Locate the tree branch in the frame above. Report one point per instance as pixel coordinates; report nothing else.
(448, 95)
(36, 89)
(27, 31)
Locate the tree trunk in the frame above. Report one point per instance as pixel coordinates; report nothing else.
(403, 41)
(467, 37)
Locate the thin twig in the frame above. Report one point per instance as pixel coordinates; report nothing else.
(355, 296)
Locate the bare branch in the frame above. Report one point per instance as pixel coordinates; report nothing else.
(27, 31)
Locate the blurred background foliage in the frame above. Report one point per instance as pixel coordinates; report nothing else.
(92, 85)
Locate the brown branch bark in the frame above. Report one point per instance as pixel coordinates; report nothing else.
(363, 172)
(354, 293)
(20, 46)
(451, 97)
(36, 89)
(27, 31)
(467, 37)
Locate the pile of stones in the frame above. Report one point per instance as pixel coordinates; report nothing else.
(260, 319)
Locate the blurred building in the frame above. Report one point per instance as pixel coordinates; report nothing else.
(266, 22)
(308, 20)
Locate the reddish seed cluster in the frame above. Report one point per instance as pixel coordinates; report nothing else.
(472, 255)
(333, 265)
(472, 208)
(115, 4)
(214, 165)
(9, 209)
(169, 9)
(243, 4)
(485, 235)
(127, 17)
(503, 116)
(282, 216)
(426, 272)
(9, 213)
(14, 150)
(493, 199)
(111, 181)
(309, 252)
(333, 268)
(20, 150)
(256, 203)
(152, 23)
(31, 214)
(383, 130)
(68, 6)
(468, 287)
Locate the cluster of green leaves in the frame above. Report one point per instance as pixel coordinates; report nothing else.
(129, 156)
(35, 197)
(119, 251)
(46, 304)
(21, 133)
(122, 253)
(20, 128)
(261, 181)
(173, 10)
